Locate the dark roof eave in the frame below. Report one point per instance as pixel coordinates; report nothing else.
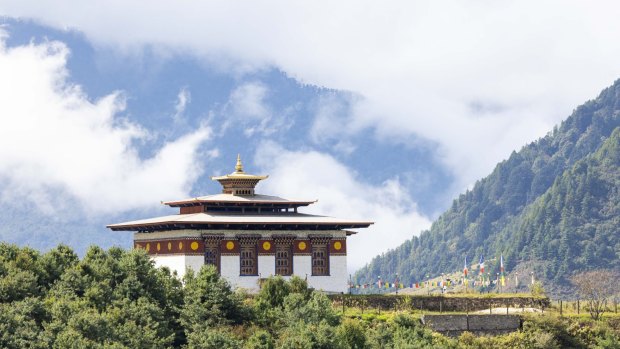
(239, 203)
(229, 225)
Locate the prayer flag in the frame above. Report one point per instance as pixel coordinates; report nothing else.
(481, 264)
(465, 270)
(501, 269)
(501, 263)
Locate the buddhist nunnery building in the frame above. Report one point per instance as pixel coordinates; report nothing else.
(248, 236)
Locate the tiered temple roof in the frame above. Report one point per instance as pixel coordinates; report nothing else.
(238, 207)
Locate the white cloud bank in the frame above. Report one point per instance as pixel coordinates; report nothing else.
(248, 106)
(313, 175)
(480, 78)
(57, 145)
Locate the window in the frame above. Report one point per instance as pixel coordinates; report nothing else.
(284, 260)
(248, 257)
(320, 257)
(212, 252)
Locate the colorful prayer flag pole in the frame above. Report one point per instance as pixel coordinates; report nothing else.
(465, 270)
(501, 269)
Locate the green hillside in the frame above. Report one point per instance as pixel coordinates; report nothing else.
(552, 206)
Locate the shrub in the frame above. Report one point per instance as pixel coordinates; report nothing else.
(351, 334)
(260, 340)
(218, 338)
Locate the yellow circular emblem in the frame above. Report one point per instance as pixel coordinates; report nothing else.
(180, 246)
(169, 246)
(302, 246)
(148, 246)
(337, 245)
(266, 245)
(230, 245)
(193, 245)
(158, 246)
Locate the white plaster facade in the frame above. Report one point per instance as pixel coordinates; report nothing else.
(336, 282)
(338, 279)
(179, 263)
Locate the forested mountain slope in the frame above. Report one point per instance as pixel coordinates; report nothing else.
(554, 204)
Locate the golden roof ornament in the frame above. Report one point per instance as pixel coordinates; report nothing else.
(239, 165)
(238, 182)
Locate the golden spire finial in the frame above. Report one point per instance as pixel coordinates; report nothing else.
(239, 166)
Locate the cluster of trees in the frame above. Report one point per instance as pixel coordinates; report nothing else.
(553, 204)
(118, 299)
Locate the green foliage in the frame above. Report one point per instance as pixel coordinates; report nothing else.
(315, 310)
(554, 204)
(311, 336)
(209, 302)
(272, 293)
(55, 262)
(118, 299)
(352, 334)
(220, 338)
(21, 324)
(537, 289)
(260, 340)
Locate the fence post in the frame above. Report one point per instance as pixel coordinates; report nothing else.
(577, 306)
(560, 308)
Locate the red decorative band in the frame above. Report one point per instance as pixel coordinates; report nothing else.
(171, 246)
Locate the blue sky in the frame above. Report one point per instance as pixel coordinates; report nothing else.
(383, 113)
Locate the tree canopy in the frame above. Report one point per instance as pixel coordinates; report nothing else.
(553, 205)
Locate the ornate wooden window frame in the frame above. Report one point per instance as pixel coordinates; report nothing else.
(283, 255)
(212, 252)
(320, 256)
(248, 255)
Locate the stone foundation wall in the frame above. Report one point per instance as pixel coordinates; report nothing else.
(454, 325)
(437, 303)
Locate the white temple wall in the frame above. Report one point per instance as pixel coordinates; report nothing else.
(302, 266)
(173, 262)
(194, 262)
(266, 266)
(229, 269)
(337, 281)
(179, 263)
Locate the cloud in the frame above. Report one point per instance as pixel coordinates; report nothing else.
(341, 193)
(183, 98)
(247, 105)
(479, 78)
(248, 101)
(333, 122)
(57, 146)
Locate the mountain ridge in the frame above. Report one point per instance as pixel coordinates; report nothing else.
(483, 219)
